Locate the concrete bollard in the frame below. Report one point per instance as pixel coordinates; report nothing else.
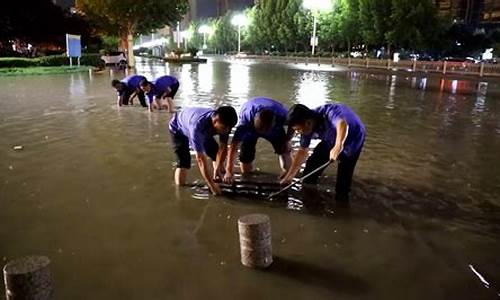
(255, 241)
(28, 278)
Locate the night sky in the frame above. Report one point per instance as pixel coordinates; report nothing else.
(206, 8)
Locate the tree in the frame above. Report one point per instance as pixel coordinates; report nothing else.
(127, 18)
(375, 20)
(37, 22)
(349, 22)
(416, 24)
(225, 36)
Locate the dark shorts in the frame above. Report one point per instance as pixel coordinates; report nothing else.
(345, 170)
(173, 90)
(278, 139)
(140, 96)
(182, 150)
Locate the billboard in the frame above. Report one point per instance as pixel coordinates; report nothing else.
(73, 45)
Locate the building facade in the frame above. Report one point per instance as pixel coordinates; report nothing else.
(472, 12)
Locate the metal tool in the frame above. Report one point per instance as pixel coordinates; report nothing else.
(301, 179)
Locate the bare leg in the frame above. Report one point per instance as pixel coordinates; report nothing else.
(246, 168)
(285, 161)
(180, 176)
(169, 104)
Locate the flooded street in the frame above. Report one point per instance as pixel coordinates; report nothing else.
(93, 190)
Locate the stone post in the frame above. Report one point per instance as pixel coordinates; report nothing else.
(28, 278)
(255, 241)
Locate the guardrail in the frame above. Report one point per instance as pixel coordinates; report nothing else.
(443, 67)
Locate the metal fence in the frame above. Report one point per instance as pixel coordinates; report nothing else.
(443, 67)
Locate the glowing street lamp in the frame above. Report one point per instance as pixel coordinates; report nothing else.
(316, 6)
(239, 20)
(204, 29)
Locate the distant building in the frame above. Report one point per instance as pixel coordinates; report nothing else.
(222, 7)
(472, 12)
(491, 11)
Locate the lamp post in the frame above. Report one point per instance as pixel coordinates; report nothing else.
(239, 20)
(178, 34)
(315, 6)
(204, 29)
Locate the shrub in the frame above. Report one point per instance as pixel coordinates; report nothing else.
(91, 59)
(18, 62)
(53, 61)
(178, 52)
(193, 51)
(49, 61)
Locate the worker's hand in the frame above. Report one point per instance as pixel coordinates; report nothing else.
(218, 175)
(286, 180)
(215, 189)
(335, 152)
(228, 177)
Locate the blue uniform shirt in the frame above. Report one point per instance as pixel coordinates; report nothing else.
(329, 115)
(196, 124)
(131, 83)
(160, 85)
(251, 108)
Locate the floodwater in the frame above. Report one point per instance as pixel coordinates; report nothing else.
(93, 190)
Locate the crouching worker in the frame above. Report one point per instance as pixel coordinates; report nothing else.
(161, 92)
(342, 136)
(128, 88)
(196, 128)
(259, 118)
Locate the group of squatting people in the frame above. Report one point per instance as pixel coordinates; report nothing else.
(339, 129)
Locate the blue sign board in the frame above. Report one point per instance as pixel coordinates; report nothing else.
(73, 45)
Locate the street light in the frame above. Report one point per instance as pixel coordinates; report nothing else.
(204, 29)
(316, 6)
(239, 20)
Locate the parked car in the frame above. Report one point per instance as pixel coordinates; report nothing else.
(115, 58)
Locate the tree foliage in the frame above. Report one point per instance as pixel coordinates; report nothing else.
(124, 16)
(412, 25)
(38, 22)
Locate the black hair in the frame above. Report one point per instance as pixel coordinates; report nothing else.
(115, 82)
(298, 115)
(264, 119)
(144, 83)
(227, 115)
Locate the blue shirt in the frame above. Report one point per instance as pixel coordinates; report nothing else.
(325, 130)
(196, 124)
(160, 85)
(131, 83)
(251, 108)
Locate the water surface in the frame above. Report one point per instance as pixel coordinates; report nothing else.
(93, 190)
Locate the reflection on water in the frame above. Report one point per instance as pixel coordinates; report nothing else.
(93, 190)
(312, 89)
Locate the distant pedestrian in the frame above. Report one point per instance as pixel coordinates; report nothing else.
(128, 88)
(160, 92)
(342, 136)
(195, 128)
(259, 118)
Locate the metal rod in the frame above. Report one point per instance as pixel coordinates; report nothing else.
(301, 179)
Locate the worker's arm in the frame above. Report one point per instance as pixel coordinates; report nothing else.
(201, 159)
(119, 100)
(299, 158)
(131, 99)
(219, 162)
(164, 95)
(233, 149)
(342, 130)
